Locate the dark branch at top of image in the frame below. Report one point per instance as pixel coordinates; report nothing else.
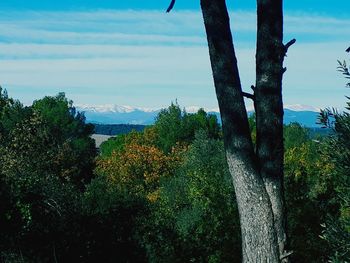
(171, 6)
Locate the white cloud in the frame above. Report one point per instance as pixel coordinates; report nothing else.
(316, 25)
(102, 27)
(15, 51)
(159, 57)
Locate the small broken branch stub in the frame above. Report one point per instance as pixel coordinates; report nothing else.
(286, 46)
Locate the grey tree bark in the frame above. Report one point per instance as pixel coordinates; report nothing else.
(257, 174)
(270, 53)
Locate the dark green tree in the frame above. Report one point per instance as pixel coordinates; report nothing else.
(69, 138)
(47, 157)
(176, 126)
(196, 218)
(337, 228)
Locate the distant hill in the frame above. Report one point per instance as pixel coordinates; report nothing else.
(112, 114)
(116, 129)
(305, 118)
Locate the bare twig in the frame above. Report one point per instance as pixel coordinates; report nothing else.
(54, 252)
(54, 206)
(286, 254)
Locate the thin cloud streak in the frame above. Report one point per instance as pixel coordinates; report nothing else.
(148, 27)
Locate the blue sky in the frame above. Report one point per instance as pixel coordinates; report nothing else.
(340, 7)
(132, 53)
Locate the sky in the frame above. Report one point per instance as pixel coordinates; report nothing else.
(133, 53)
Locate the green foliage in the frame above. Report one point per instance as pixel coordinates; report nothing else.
(337, 228)
(176, 126)
(57, 137)
(308, 193)
(12, 112)
(47, 156)
(344, 69)
(109, 224)
(69, 132)
(294, 135)
(147, 137)
(196, 219)
(163, 194)
(139, 167)
(116, 143)
(160, 147)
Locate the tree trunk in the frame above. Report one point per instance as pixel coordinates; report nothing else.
(270, 53)
(259, 241)
(257, 176)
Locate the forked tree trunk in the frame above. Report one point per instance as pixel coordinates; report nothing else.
(257, 175)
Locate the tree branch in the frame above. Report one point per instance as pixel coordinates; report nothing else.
(348, 49)
(287, 46)
(248, 95)
(171, 6)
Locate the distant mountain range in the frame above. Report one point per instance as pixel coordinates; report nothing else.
(113, 114)
(305, 118)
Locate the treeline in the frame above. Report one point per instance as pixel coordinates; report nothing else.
(163, 194)
(116, 129)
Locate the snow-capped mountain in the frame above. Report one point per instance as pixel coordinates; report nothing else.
(115, 114)
(111, 108)
(301, 107)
